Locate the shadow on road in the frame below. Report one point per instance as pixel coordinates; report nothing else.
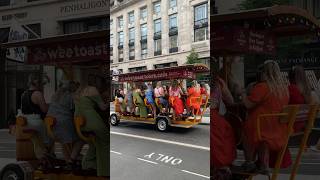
(152, 128)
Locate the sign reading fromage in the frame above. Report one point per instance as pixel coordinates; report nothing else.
(69, 52)
(84, 5)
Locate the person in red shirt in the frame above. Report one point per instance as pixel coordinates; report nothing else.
(222, 137)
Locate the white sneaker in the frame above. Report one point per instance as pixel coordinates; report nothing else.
(314, 148)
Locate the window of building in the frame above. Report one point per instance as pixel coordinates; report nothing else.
(143, 13)
(131, 17)
(121, 39)
(165, 65)
(200, 34)
(144, 50)
(111, 40)
(201, 22)
(131, 53)
(157, 26)
(4, 2)
(111, 55)
(173, 22)
(136, 69)
(157, 7)
(173, 33)
(172, 3)
(111, 23)
(4, 34)
(157, 47)
(173, 44)
(120, 22)
(144, 32)
(131, 36)
(120, 55)
(91, 24)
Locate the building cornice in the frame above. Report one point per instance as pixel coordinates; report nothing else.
(124, 4)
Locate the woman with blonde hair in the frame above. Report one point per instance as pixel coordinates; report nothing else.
(87, 106)
(299, 88)
(300, 91)
(268, 96)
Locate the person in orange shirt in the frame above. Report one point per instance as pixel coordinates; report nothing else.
(268, 96)
(175, 93)
(194, 98)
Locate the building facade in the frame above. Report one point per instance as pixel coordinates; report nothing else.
(153, 34)
(41, 19)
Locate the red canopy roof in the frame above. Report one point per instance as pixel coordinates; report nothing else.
(179, 72)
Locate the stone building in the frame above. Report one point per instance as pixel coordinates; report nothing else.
(152, 34)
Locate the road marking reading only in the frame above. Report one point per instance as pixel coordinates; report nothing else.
(207, 177)
(162, 140)
(166, 159)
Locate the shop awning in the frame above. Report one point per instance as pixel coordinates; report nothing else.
(81, 48)
(179, 72)
(256, 31)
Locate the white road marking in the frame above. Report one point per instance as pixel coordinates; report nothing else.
(147, 161)
(115, 152)
(162, 140)
(196, 174)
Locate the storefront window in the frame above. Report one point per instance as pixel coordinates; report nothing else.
(84, 25)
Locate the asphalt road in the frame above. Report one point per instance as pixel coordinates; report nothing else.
(139, 152)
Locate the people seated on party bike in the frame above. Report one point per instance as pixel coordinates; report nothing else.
(151, 101)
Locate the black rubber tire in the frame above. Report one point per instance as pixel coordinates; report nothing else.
(162, 125)
(114, 120)
(12, 172)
